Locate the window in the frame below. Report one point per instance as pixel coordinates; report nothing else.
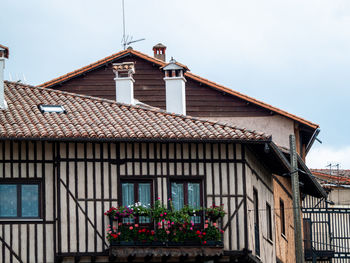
(51, 108)
(187, 193)
(137, 192)
(269, 221)
(282, 216)
(19, 200)
(256, 221)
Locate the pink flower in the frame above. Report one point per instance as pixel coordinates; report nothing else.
(136, 225)
(167, 232)
(222, 231)
(169, 199)
(191, 228)
(163, 220)
(168, 222)
(108, 229)
(161, 215)
(165, 214)
(114, 227)
(214, 224)
(172, 223)
(206, 226)
(158, 198)
(131, 228)
(206, 221)
(109, 225)
(110, 232)
(159, 223)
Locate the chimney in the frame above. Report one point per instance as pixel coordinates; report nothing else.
(175, 87)
(159, 51)
(124, 82)
(4, 53)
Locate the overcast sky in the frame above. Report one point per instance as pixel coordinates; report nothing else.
(292, 54)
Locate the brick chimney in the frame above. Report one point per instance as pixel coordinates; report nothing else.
(159, 51)
(124, 82)
(175, 83)
(4, 53)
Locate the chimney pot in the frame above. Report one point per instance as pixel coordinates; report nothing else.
(124, 82)
(159, 51)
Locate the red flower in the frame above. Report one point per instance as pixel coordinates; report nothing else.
(204, 242)
(204, 233)
(114, 235)
(198, 232)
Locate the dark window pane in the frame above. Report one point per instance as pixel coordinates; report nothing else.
(30, 200)
(177, 194)
(282, 215)
(8, 200)
(268, 221)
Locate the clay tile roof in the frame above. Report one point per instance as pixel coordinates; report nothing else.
(336, 177)
(94, 118)
(7, 52)
(161, 63)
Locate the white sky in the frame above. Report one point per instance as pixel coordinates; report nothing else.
(292, 54)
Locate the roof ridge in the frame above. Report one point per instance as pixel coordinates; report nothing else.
(189, 74)
(153, 109)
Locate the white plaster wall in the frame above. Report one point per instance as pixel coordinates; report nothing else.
(267, 247)
(278, 126)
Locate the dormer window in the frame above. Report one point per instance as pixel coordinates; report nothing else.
(51, 108)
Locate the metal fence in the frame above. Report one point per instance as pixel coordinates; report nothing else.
(326, 231)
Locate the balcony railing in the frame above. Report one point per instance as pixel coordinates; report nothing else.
(161, 230)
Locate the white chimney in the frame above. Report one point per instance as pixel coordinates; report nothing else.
(4, 53)
(124, 82)
(175, 88)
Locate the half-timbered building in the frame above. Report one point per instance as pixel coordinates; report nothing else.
(206, 99)
(64, 159)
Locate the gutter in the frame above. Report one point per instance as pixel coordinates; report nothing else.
(320, 189)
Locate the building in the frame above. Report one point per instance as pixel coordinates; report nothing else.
(203, 98)
(326, 220)
(65, 158)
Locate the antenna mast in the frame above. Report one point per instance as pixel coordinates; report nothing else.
(126, 41)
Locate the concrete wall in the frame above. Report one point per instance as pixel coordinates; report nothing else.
(340, 197)
(278, 126)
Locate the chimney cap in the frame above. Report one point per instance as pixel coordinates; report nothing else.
(159, 45)
(4, 51)
(174, 65)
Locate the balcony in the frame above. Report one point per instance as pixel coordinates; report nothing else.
(159, 231)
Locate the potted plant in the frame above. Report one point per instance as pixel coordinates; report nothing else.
(215, 212)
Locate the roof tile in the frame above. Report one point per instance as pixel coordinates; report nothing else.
(88, 117)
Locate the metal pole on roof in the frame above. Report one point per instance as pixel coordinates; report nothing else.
(298, 237)
(124, 40)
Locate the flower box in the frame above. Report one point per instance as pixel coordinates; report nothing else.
(167, 227)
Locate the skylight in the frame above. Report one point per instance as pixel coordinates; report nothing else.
(51, 108)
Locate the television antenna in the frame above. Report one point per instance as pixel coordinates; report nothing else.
(127, 40)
